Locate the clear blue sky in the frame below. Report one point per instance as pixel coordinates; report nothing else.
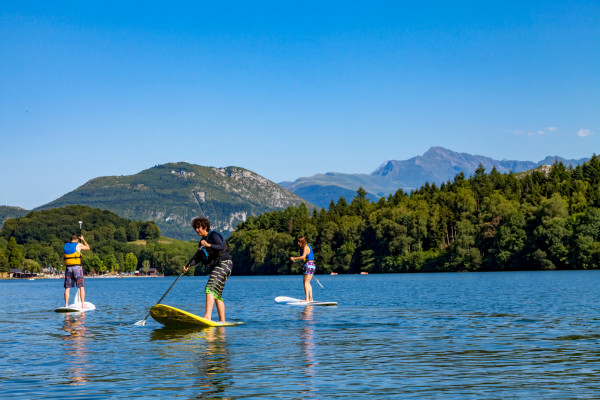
(287, 89)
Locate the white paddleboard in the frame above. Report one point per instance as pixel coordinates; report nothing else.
(77, 306)
(290, 301)
(74, 308)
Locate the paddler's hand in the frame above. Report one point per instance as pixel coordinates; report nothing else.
(185, 269)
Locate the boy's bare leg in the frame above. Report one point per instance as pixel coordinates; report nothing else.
(210, 302)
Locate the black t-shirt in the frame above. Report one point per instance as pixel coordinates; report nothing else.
(213, 255)
(217, 251)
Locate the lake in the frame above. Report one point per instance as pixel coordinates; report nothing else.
(503, 335)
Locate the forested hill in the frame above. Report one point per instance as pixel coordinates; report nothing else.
(7, 212)
(35, 242)
(488, 222)
(173, 194)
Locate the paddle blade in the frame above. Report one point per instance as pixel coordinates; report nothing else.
(141, 323)
(78, 299)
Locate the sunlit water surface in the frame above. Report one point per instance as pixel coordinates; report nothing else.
(461, 336)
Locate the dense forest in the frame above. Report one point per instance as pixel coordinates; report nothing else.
(35, 242)
(543, 219)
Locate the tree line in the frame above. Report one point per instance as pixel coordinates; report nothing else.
(488, 222)
(539, 220)
(35, 242)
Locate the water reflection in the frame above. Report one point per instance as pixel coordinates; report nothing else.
(207, 351)
(308, 351)
(214, 365)
(179, 335)
(76, 348)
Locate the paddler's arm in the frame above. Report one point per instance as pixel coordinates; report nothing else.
(303, 256)
(216, 244)
(84, 246)
(192, 261)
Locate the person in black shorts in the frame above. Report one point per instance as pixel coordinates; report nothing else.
(212, 251)
(73, 270)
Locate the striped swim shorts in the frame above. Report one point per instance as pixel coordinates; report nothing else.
(217, 279)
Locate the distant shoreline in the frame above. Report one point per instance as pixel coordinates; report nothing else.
(86, 277)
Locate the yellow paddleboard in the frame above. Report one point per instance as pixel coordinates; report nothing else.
(171, 316)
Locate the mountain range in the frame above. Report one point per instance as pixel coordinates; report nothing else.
(437, 165)
(174, 193)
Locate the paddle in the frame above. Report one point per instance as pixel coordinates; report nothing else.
(318, 282)
(143, 322)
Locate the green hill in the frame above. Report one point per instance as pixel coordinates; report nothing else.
(7, 212)
(173, 194)
(35, 242)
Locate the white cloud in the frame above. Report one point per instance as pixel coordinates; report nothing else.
(535, 133)
(584, 133)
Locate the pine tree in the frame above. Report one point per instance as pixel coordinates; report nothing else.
(15, 257)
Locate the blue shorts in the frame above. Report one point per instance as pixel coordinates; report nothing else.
(74, 276)
(309, 267)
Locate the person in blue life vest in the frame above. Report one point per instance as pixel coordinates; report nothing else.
(73, 270)
(218, 261)
(308, 257)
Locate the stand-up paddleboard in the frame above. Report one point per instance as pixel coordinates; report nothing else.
(174, 317)
(290, 301)
(77, 306)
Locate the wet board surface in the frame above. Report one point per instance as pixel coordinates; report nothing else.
(290, 301)
(174, 317)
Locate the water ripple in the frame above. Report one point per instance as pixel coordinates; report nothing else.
(451, 336)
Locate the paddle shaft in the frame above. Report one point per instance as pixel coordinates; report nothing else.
(173, 284)
(318, 282)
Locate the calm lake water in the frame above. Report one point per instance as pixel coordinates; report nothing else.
(509, 335)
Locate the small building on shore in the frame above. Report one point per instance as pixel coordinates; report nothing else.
(151, 272)
(18, 273)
